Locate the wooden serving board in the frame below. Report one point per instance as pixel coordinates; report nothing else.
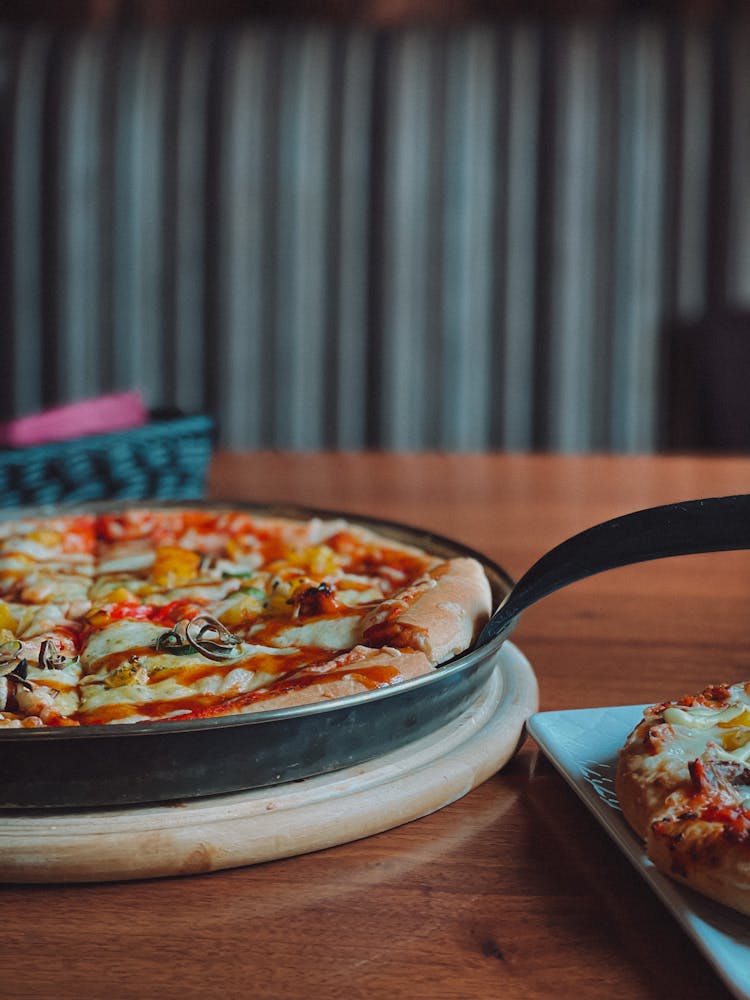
(245, 828)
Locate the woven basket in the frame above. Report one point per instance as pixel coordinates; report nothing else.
(164, 460)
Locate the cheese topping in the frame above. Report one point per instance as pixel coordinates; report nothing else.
(727, 727)
(173, 613)
(698, 716)
(326, 633)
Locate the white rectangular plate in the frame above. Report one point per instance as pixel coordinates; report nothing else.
(583, 745)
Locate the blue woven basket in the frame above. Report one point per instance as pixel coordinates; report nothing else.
(163, 460)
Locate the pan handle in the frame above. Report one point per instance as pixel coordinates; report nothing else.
(715, 524)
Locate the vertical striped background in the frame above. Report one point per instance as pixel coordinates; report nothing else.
(465, 238)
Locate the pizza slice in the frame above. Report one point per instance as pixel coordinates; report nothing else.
(440, 614)
(148, 663)
(47, 561)
(683, 783)
(356, 671)
(40, 668)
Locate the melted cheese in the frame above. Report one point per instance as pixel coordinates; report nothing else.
(323, 633)
(727, 728)
(96, 695)
(55, 691)
(130, 562)
(18, 548)
(42, 586)
(119, 637)
(698, 716)
(53, 571)
(37, 620)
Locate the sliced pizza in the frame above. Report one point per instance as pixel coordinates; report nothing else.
(183, 613)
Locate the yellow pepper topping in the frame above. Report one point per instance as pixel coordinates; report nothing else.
(98, 617)
(743, 719)
(120, 595)
(45, 537)
(279, 600)
(7, 621)
(173, 566)
(245, 610)
(317, 560)
(739, 726)
(127, 674)
(735, 739)
(234, 548)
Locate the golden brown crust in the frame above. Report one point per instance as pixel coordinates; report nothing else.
(698, 855)
(355, 672)
(686, 792)
(189, 612)
(703, 838)
(645, 776)
(441, 614)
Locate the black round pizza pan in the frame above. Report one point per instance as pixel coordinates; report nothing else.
(90, 766)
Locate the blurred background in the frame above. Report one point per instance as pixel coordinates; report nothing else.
(385, 224)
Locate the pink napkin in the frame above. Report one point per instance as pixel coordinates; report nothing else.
(117, 412)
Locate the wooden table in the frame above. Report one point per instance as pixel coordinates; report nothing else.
(513, 891)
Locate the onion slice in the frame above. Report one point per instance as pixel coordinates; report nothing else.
(202, 634)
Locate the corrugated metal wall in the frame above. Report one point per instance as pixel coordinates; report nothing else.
(468, 238)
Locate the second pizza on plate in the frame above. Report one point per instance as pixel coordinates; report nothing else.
(683, 783)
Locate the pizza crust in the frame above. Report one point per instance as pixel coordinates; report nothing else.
(440, 615)
(683, 784)
(644, 779)
(188, 613)
(351, 669)
(697, 855)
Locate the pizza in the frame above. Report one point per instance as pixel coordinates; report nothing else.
(683, 783)
(184, 613)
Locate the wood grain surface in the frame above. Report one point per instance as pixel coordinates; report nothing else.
(514, 891)
(264, 824)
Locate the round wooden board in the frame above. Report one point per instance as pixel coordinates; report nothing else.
(228, 831)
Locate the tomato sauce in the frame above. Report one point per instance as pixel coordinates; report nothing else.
(306, 570)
